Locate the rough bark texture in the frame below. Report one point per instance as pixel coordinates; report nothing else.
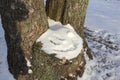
(55, 9)
(23, 22)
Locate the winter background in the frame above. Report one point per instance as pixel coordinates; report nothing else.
(103, 37)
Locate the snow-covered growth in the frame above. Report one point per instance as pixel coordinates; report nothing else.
(61, 40)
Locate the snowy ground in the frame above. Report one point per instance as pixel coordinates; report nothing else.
(104, 14)
(106, 56)
(4, 73)
(103, 38)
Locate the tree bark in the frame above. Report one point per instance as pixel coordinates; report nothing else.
(23, 22)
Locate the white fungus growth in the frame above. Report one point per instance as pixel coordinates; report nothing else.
(61, 40)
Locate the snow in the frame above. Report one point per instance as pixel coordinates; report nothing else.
(104, 15)
(28, 62)
(4, 73)
(29, 66)
(30, 71)
(61, 40)
(103, 39)
(106, 57)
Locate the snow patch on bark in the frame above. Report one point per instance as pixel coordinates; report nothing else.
(28, 62)
(61, 40)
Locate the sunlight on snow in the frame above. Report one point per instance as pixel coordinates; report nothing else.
(61, 40)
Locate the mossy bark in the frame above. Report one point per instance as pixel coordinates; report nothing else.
(23, 22)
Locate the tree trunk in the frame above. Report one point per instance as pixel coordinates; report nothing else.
(69, 11)
(23, 22)
(72, 12)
